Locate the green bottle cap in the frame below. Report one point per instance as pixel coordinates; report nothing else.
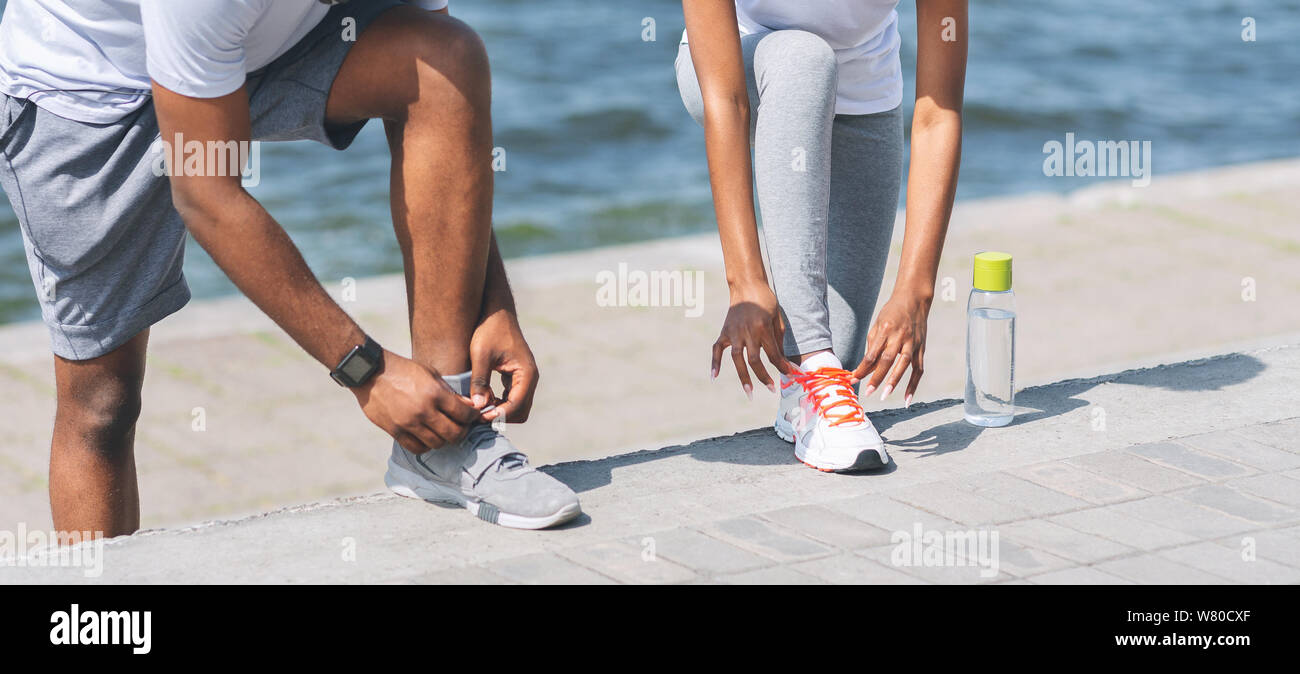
(993, 271)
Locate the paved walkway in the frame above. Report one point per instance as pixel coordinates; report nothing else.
(238, 421)
(1187, 473)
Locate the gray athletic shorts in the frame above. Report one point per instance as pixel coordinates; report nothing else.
(104, 243)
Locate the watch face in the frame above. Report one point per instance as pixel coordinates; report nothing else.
(357, 367)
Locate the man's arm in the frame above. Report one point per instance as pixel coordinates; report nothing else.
(498, 344)
(407, 400)
(496, 287)
(244, 240)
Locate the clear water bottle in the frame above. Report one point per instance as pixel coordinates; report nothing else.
(991, 343)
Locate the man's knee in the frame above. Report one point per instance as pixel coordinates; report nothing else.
(99, 399)
(102, 411)
(449, 59)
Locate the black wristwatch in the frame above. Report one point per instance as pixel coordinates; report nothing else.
(361, 363)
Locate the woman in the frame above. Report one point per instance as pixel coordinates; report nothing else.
(816, 86)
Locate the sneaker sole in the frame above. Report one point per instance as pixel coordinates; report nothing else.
(782, 431)
(867, 459)
(412, 485)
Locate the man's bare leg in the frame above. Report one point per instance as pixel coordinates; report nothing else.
(92, 457)
(426, 75)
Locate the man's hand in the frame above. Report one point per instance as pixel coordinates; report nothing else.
(498, 345)
(414, 405)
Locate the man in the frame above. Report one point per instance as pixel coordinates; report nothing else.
(88, 87)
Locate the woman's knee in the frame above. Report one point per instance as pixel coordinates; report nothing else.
(796, 56)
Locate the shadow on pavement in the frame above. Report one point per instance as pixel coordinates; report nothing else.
(1044, 402)
(761, 447)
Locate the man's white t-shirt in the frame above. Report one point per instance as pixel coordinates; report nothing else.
(92, 60)
(863, 33)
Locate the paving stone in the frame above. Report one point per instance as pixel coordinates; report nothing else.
(1122, 528)
(1063, 541)
(1079, 575)
(1183, 516)
(546, 568)
(459, 575)
(950, 501)
(889, 514)
(695, 550)
(848, 568)
(1022, 561)
(773, 575)
(1032, 498)
(1079, 483)
(628, 563)
(828, 526)
(1240, 449)
(1232, 502)
(766, 539)
(1281, 434)
(1279, 545)
(937, 570)
(1134, 470)
(1227, 562)
(1272, 486)
(1151, 569)
(1189, 460)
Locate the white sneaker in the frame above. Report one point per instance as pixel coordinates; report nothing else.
(821, 415)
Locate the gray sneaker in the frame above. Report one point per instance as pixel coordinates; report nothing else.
(486, 475)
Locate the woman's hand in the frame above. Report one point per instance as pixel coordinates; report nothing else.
(754, 321)
(895, 343)
(897, 340)
(753, 324)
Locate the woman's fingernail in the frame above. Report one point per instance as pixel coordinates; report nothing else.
(870, 388)
(749, 391)
(907, 400)
(479, 399)
(713, 374)
(884, 392)
(771, 387)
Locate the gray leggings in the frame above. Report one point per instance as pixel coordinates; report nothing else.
(827, 188)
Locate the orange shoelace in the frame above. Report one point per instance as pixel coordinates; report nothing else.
(828, 382)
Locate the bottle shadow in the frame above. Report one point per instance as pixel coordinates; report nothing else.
(1044, 402)
(762, 447)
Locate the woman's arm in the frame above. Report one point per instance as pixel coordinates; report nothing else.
(897, 340)
(753, 323)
